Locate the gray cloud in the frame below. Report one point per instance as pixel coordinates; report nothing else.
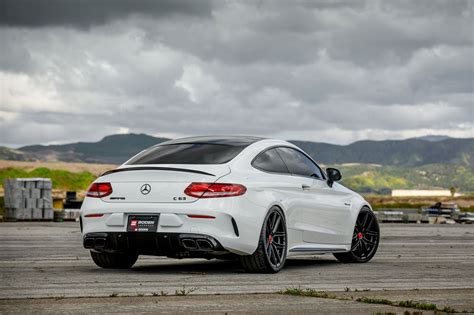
(334, 71)
(87, 13)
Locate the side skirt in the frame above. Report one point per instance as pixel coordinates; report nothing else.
(317, 249)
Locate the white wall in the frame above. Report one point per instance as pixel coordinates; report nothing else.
(422, 193)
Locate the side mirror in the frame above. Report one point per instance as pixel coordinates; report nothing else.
(334, 175)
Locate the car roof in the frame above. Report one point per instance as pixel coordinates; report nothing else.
(226, 140)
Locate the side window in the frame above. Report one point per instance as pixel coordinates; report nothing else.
(270, 161)
(299, 164)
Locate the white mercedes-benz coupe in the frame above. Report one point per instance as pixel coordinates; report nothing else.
(255, 199)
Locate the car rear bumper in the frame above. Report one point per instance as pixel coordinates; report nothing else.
(178, 245)
(235, 223)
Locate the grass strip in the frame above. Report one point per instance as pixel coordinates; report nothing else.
(406, 303)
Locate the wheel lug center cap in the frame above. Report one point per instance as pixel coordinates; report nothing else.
(270, 238)
(360, 235)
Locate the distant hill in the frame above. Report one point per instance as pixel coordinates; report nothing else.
(432, 138)
(117, 149)
(14, 155)
(114, 149)
(406, 153)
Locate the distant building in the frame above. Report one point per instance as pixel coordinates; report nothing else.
(422, 193)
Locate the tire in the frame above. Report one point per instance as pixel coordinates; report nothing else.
(114, 260)
(365, 239)
(270, 255)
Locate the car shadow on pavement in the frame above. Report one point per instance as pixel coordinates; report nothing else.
(220, 266)
(310, 262)
(188, 266)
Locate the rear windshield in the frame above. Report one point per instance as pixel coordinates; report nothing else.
(188, 153)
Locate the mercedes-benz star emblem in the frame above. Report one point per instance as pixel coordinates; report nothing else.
(145, 189)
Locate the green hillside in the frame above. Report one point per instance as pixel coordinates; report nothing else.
(382, 179)
(62, 179)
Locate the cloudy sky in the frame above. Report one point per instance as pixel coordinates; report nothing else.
(332, 71)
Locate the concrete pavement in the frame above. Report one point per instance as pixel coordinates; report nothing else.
(46, 260)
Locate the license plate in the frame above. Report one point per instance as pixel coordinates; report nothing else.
(142, 223)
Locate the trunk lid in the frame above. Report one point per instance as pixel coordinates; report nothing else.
(164, 183)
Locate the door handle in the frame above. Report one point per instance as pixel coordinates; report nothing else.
(305, 187)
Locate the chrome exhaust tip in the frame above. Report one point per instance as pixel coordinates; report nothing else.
(189, 243)
(204, 244)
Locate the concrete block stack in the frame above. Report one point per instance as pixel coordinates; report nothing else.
(28, 199)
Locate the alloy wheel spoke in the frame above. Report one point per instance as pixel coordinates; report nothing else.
(277, 224)
(279, 239)
(364, 223)
(355, 246)
(363, 248)
(369, 224)
(369, 242)
(274, 257)
(277, 254)
(371, 233)
(274, 219)
(269, 225)
(269, 250)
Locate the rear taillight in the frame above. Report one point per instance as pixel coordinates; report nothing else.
(99, 190)
(214, 190)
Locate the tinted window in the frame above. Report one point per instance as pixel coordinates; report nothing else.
(298, 163)
(188, 153)
(270, 161)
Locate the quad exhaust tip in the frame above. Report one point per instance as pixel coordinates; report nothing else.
(198, 244)
(95, 242)
(188, 242)
(89, 243)
(204, 244)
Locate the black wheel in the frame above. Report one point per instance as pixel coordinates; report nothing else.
(365, 239)
(270, 255)
(115, 260)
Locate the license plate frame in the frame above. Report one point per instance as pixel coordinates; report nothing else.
(140, 223)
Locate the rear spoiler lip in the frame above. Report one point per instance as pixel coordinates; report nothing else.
(155, 168)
